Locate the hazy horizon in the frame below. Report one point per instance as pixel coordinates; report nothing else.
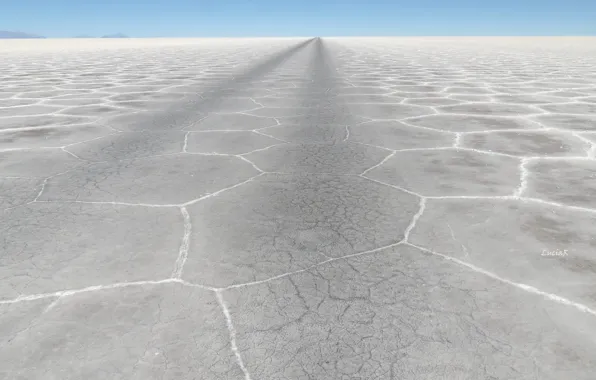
(330, 36)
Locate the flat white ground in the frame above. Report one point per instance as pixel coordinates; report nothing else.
(298, 208)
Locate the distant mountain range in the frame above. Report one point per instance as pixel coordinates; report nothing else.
(4, 34)
(21, 35)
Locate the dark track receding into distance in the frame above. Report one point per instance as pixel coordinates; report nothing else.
(204, 103)
(321, 96)
(198, 106)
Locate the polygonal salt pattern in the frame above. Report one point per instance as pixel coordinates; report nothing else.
(568, 122)
(165, 180)
(227, 142)
(464, 98)
(36, 163)
(447, 172)
(298, 208)
(324, 117)
(417, 89)
(145, 96)
(362, 90)
(369, 98)
(395, 136)
(282, 112)
(571, 94)
(526, 143)
(490, 109)
(290, 223)
(309, 133)
(468, 91)
(98, 110)
(470, 123)
(235, 104)
(53, 137)
(402, 312)
(27, 110)
(571, 182)
(388, 111)
(74, 245)
(526, 242)
(11, 103)
(128, 145)
(339, 158)
(284, 102)
(527, 99)
(232, 121)
(16, 191)
(138, 333)
(43, 121)
(432, 102)
(572, 108)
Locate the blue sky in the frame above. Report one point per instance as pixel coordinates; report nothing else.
(231, 18)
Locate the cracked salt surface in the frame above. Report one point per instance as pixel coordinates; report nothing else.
(344, 208)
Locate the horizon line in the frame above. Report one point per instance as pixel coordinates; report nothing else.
(337, 36)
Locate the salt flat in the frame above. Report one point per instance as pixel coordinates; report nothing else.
(298, 208)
